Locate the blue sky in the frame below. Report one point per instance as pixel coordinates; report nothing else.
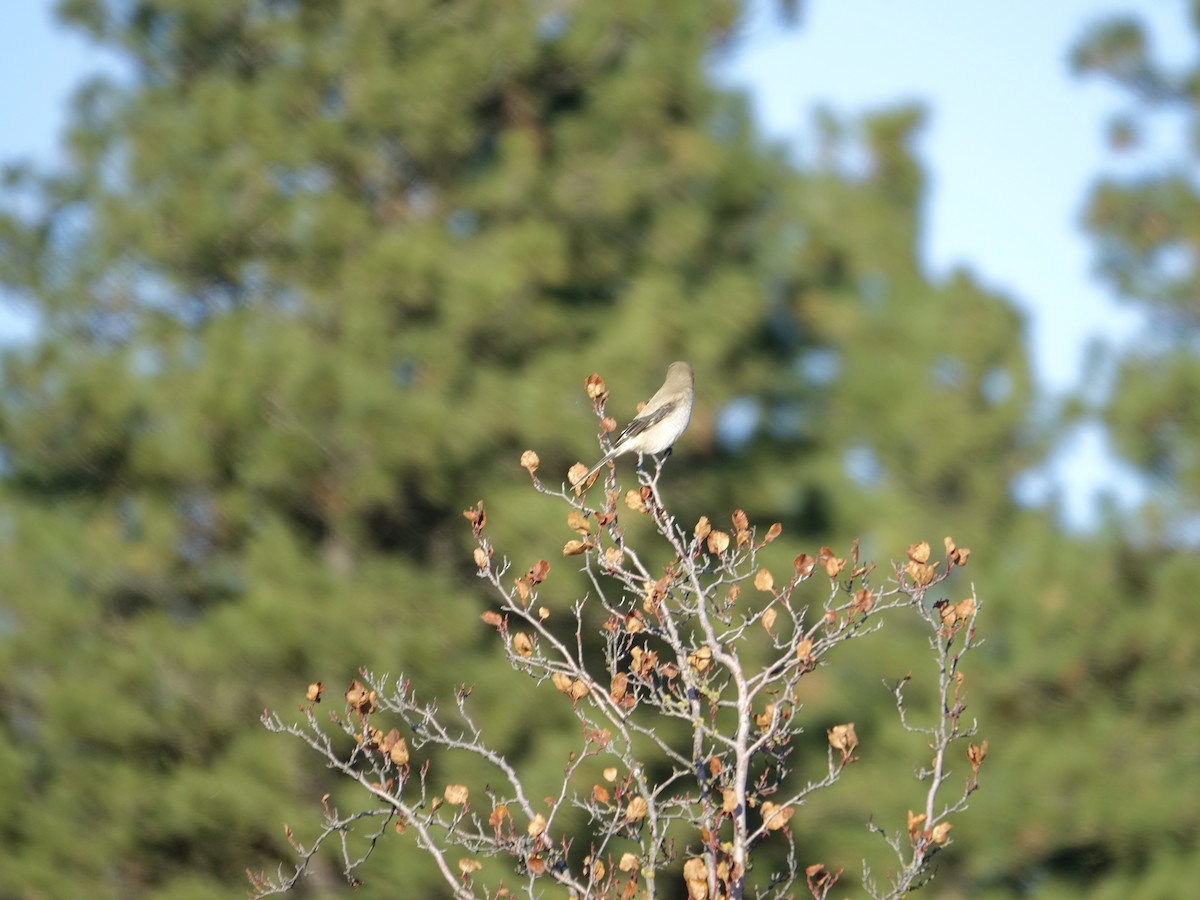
(1013, 142)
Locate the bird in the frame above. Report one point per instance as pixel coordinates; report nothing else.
(660, 423)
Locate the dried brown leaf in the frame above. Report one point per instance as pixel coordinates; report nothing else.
(522, 645)
(578, 522)
(764, 581)
(594, 385)
(717, 542)
(918, 552)
(637, 809)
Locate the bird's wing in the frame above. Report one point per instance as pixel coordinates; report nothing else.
(645, 419)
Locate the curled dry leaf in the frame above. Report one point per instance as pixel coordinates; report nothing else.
(976, 754)
(600, 793)
(833, 565)
(613, 557)
(628, 862)
(530, 461)
(965, 608)
(859, 571)
(577, 691)
(637, 809)
(538, 571)
(493, 618)
(764, 581)
(728, 800)
(864, 600)
(947, 611)
(776, 817)
(481, 557)
(575, 547)
(940, 833)
(499, 814)
(523, 590)
(372, 739)
(610, 774)
(477, 517)
(843, 738)
(522, 645)
(561, 681)
(389, 740)
(634, 622)
(455, 794)
(804, 650)
(467, 866)
(360, 699)
(633, 499)
(313, 694)
(642, 662)
(717, 542)
(398, 752)
(576, 474)
(700, 660)
(578, 522)
(955, 555)
(768, 618)
(594, 385)
(918, 552)
(914, 824)
(741, 526)
(655, 592)
(820, 879)
(804, 565)
(773, 532)
(537, 825)
(695, 876)
(702, 529)
(764, 719)
(920, 573)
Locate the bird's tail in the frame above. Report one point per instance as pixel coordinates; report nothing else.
(605, 460)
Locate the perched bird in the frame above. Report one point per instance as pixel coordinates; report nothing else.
(660, 423)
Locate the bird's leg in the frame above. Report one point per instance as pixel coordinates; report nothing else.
(659, 460)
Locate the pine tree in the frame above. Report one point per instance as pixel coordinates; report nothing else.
(1095, 680)
(315, 274)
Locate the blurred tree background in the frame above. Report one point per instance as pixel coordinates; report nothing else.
(318, 271)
